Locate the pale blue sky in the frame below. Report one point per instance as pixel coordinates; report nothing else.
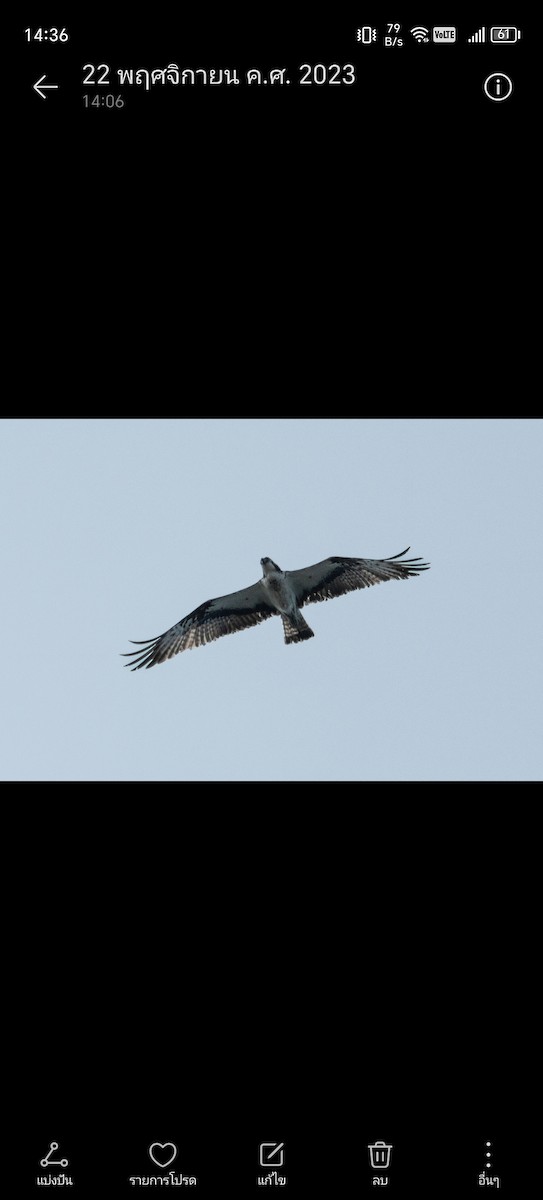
(116, 529)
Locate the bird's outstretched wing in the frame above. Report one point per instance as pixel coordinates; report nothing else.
(214, 619)
(335, 576)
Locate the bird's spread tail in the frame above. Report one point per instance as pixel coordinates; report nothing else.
(298, 631)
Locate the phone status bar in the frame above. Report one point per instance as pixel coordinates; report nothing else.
(395, 35)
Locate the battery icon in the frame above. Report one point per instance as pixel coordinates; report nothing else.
(504, 34)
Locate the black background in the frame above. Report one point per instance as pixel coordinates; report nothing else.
(323, 971)
(239, 240)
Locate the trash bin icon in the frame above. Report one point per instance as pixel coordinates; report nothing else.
(380, 1155)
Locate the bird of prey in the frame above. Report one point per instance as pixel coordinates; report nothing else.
(278, 593)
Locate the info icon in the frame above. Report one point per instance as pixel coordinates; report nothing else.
(498, 86)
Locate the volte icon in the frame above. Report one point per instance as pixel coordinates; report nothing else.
(444, 35)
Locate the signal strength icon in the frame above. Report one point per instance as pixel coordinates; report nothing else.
(480, 36)
(420, 34)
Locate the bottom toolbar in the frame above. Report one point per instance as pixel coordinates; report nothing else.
(298, 1166)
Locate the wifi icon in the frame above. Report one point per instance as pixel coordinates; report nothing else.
(420, 34)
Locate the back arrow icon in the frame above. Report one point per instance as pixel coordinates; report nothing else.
(39, 84)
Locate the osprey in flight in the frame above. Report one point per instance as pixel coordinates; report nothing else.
(278, 593)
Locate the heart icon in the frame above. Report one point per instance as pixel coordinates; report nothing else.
(162, 1153)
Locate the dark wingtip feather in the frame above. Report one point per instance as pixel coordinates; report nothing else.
(139, 658)
(409, 562)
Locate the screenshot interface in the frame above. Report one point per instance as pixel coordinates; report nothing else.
(191, 170)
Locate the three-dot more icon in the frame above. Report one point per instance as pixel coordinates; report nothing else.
(272, 1154)
(484, 1179)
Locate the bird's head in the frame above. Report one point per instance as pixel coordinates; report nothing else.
(268, 565)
